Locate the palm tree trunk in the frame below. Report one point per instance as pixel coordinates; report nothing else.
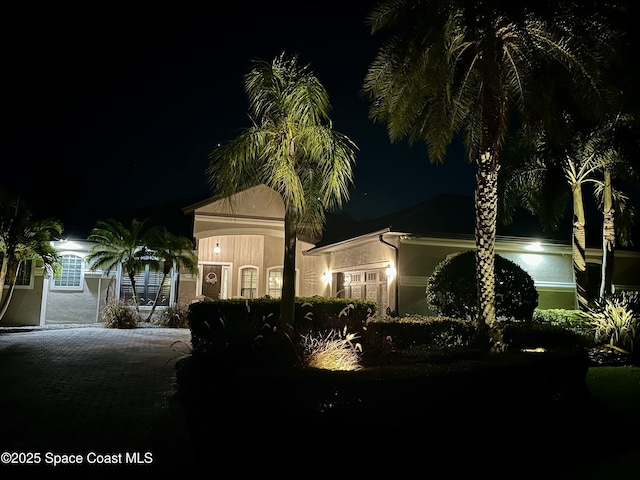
(155, 300)
(109, 291)
(4, 305)
(6, 300)
(486, 205)
(608, 238)
(3, 276)
(287, 303)
(132, 278)
(579, 246)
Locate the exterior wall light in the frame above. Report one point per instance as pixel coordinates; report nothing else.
(326, 277)
(216, 249)
(532, 259)
(391, 272)
(534, 247)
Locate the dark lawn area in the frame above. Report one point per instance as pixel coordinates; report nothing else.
(460, 414)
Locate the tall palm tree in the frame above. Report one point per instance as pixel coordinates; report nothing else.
(540, 180)
(618, 216)
(293, 149)
(579, 164)
(172, 252)
(475, 69)
(618, 136)
(23, 238)
(117, 246)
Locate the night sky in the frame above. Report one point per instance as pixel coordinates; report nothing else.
(110, 110)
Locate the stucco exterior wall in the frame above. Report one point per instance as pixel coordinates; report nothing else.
(550, 267)
(364, 255)
(73, 306)
(626, 273)
(24, 308)
(315, 281)
(552, 273)
(187, 288)
(416, 263)
(310, 270)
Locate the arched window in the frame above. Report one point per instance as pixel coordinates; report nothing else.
(72, 274)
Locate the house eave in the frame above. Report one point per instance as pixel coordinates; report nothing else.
(503, 243)
(351, 242)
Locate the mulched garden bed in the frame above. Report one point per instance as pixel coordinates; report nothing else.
(605, 356)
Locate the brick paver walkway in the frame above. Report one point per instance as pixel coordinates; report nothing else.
(103, 394)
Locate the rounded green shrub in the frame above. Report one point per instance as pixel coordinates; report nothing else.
(452, 291)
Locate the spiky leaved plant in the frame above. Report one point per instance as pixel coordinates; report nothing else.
(614, 322)
(332, 350)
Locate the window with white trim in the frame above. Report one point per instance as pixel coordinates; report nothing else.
(274, 283)
(72, 274)
(249, 282)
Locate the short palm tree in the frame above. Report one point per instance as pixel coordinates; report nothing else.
(23, 238)
(117, 246)
(171, 252)
(293, 149)
(475, 69)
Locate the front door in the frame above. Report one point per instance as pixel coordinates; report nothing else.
(211, 281)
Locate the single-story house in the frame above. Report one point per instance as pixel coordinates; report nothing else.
(240, 247)
(389, 259)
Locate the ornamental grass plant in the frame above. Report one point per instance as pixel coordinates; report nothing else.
(331, 351)
(615, 324)
(119, 314)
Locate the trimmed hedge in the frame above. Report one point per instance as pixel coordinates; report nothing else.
(384, 335)
(414, 330)
(241, 332)
(537, 335)
(235, 327)
(566, 318)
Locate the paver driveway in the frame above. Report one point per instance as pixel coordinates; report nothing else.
(101, 397)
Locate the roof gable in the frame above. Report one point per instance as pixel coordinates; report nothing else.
(255, 202)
